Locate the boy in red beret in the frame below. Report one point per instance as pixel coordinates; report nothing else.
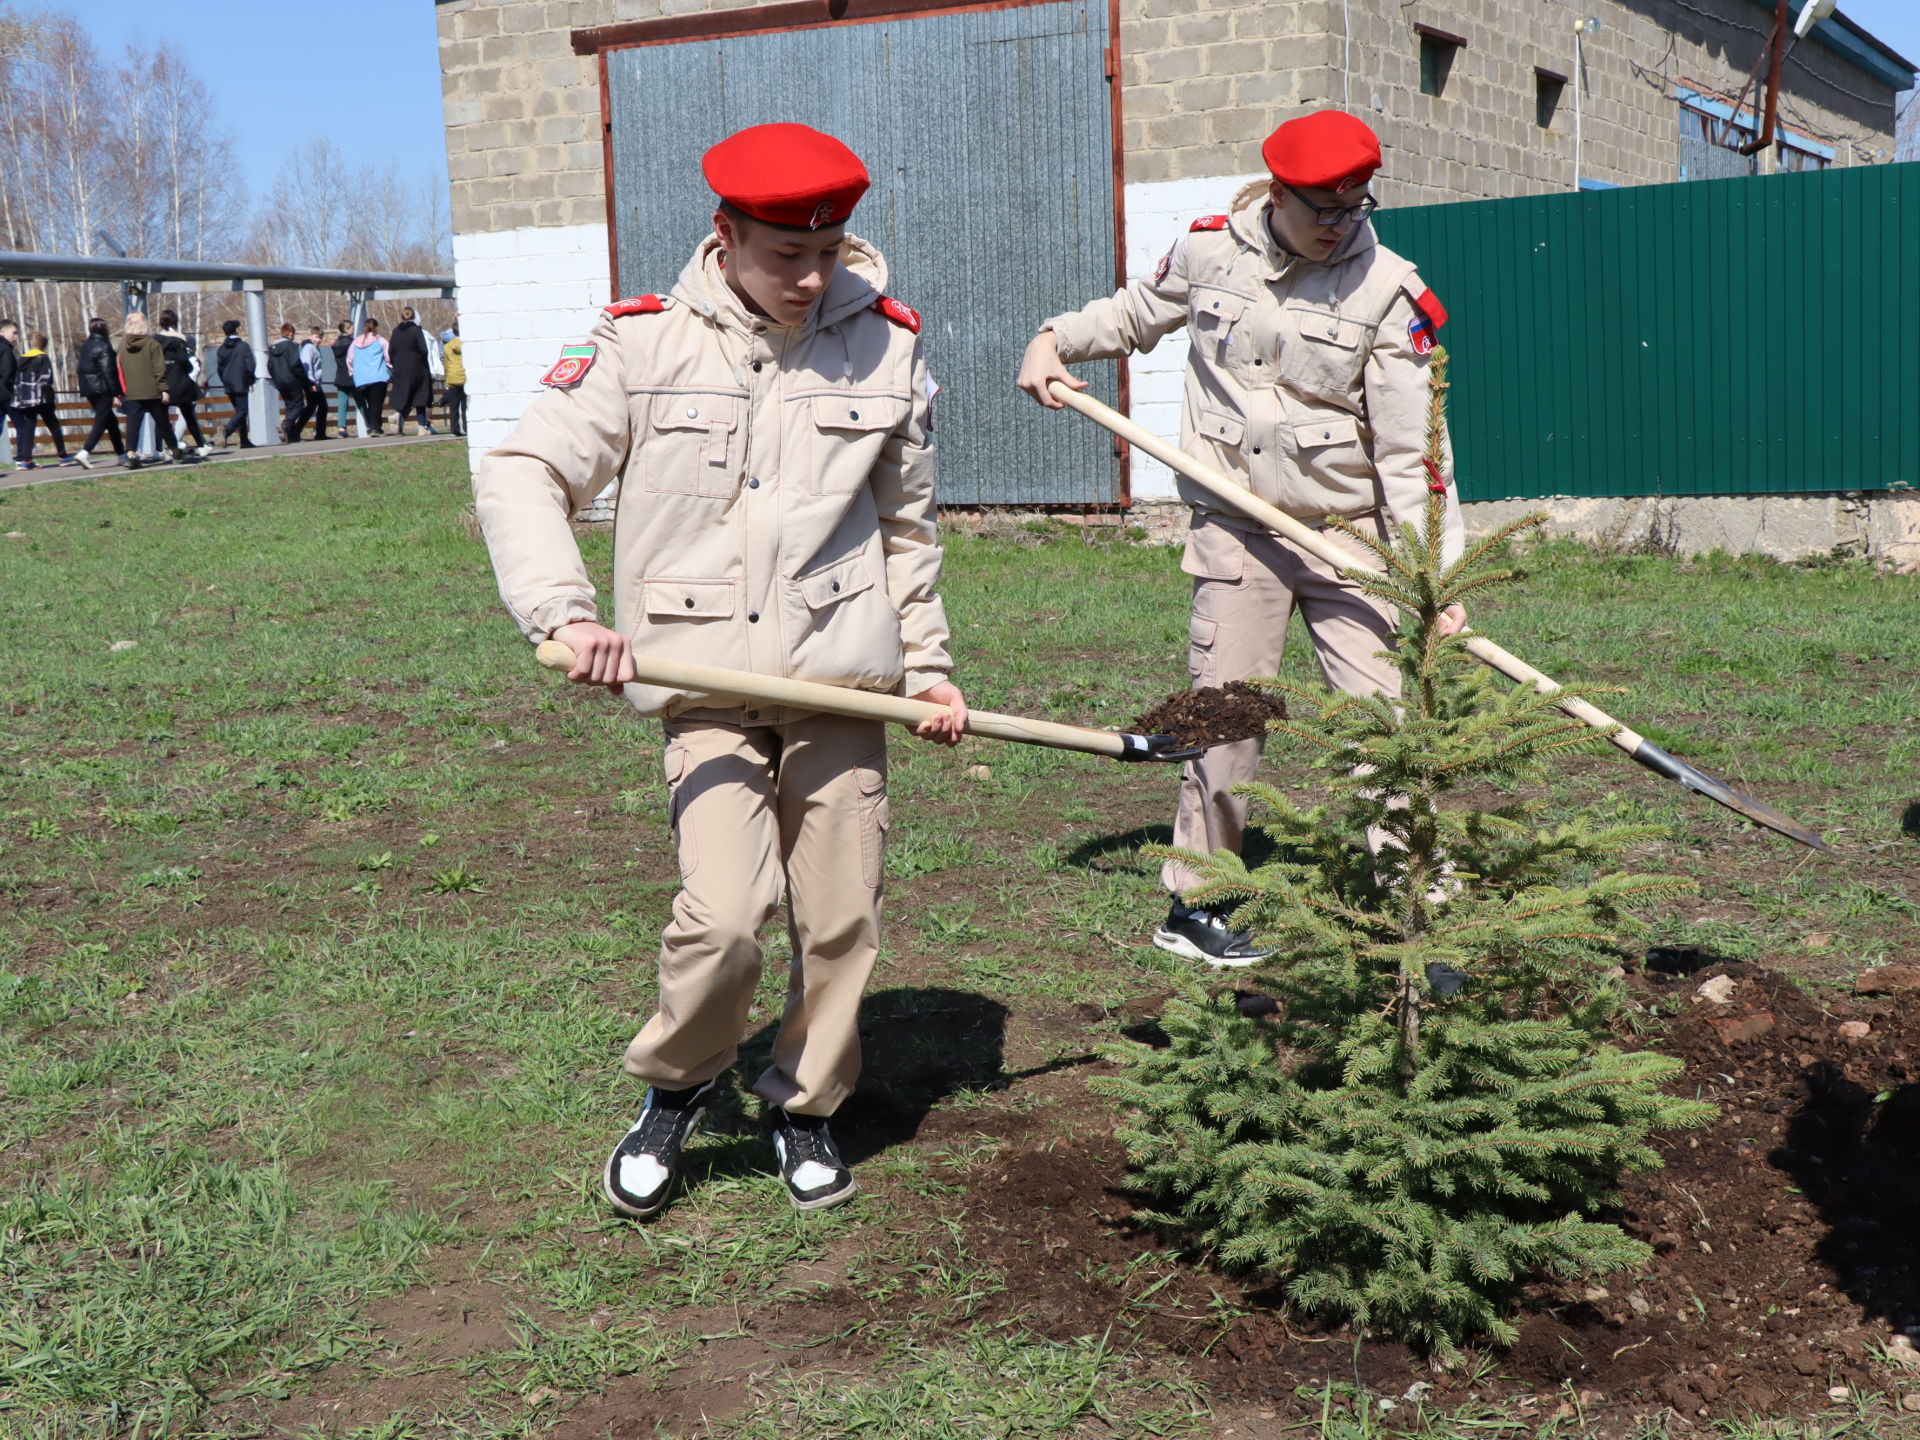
(770, 422)
(1306, 383)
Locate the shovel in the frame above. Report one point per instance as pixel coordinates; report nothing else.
(1637, 747)
(866, 705)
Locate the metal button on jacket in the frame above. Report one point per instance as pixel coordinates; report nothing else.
(753, 484)
(753, 617)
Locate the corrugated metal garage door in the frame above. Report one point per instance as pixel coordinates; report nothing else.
(989, 138)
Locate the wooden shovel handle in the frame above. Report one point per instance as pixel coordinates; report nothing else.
(1243, 501)
(727, 686)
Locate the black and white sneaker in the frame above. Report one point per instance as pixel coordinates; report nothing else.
(1197, 933)
(817, 1178)
(640, 1172)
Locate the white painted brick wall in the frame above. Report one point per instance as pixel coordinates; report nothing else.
(523, 294)
(1158, 214)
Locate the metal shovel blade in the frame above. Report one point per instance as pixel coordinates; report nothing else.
(1676, 769)
(1155, 747)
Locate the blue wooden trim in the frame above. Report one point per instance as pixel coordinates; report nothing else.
(1879, 62)
(1586, 184)
(1793, 138)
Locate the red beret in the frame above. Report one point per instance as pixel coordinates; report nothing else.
(788, 175)
(1327, 150)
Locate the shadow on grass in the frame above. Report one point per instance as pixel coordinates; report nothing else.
(920, 1046)
(1108, 853)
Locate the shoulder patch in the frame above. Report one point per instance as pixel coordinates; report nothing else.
(572, 367)
(1425, 301)
(640, 305)
(904, 316)
(1209, 222)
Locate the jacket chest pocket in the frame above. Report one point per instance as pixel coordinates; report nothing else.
(668, 599)
(694, 444)
(1213, 317)
(849, 431)
(1321, 349)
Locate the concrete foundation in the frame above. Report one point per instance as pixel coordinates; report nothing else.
(1881, 525)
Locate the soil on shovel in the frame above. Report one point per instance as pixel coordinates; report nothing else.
(1214, 715)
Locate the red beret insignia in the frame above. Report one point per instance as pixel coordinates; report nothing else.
(639, 305)
(791, 175)
(904, 316)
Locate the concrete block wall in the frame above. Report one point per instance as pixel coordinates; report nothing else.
(1204, 82)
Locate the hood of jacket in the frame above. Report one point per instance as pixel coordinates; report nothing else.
(231, 341)
(29, 354)
(858, 280)
(1248, 220)
(134, 344)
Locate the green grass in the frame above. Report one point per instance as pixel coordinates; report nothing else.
(324, 917)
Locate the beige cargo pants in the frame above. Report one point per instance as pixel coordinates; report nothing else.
(762, 811)
(1245, 588)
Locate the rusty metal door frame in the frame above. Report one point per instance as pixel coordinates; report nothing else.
(600, 40)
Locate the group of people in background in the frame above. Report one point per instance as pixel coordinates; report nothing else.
(152, 374)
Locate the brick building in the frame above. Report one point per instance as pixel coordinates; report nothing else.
(1472, 98)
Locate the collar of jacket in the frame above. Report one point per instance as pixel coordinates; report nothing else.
(1247, 218)
(858, 280)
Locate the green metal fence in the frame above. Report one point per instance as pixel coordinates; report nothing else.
(1722, 337)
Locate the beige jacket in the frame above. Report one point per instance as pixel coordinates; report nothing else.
(1303, 380)
(776, 505)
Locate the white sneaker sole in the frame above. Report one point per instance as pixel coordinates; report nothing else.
(648, 1212)
(826, 1202)
(1179, 945)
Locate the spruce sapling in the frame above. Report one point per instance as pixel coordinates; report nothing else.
(1439, 1113)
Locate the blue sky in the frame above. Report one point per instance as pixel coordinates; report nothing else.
(280, 68)
(282, 65)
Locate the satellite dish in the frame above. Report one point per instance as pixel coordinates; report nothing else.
(1812, 11)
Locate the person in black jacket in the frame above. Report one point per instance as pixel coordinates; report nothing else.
(289, 377)
(234, 361)
(343, 376)
(182, 389)
(9, 363)
(412, 379)
(99, 374)
(33, 401)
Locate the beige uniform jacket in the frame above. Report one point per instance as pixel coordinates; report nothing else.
(1304, 382)
(776, 507)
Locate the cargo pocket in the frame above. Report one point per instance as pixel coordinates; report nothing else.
(1200, 637)
(876, 818)
(683, 838)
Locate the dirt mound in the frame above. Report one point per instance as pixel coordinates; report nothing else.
(1214, 715)
(1786, 1236)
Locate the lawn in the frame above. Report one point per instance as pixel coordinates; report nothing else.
(325, 914)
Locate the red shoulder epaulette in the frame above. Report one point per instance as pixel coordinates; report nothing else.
(904, 316)
(1210, 222)
(640, 305)
(1425, 301)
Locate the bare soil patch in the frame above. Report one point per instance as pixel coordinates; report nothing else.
(1786, 1238)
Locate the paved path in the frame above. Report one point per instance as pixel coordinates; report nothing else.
(52, 472)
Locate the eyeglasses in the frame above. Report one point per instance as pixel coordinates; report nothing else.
(1336, 215)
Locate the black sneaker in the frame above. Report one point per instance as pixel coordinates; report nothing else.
(1202, 934)
(640, 1172)
(817, 1178)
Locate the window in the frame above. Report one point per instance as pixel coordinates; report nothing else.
(1547, 87)
(1793, 159)
(1710, 145)
(1437, 49)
